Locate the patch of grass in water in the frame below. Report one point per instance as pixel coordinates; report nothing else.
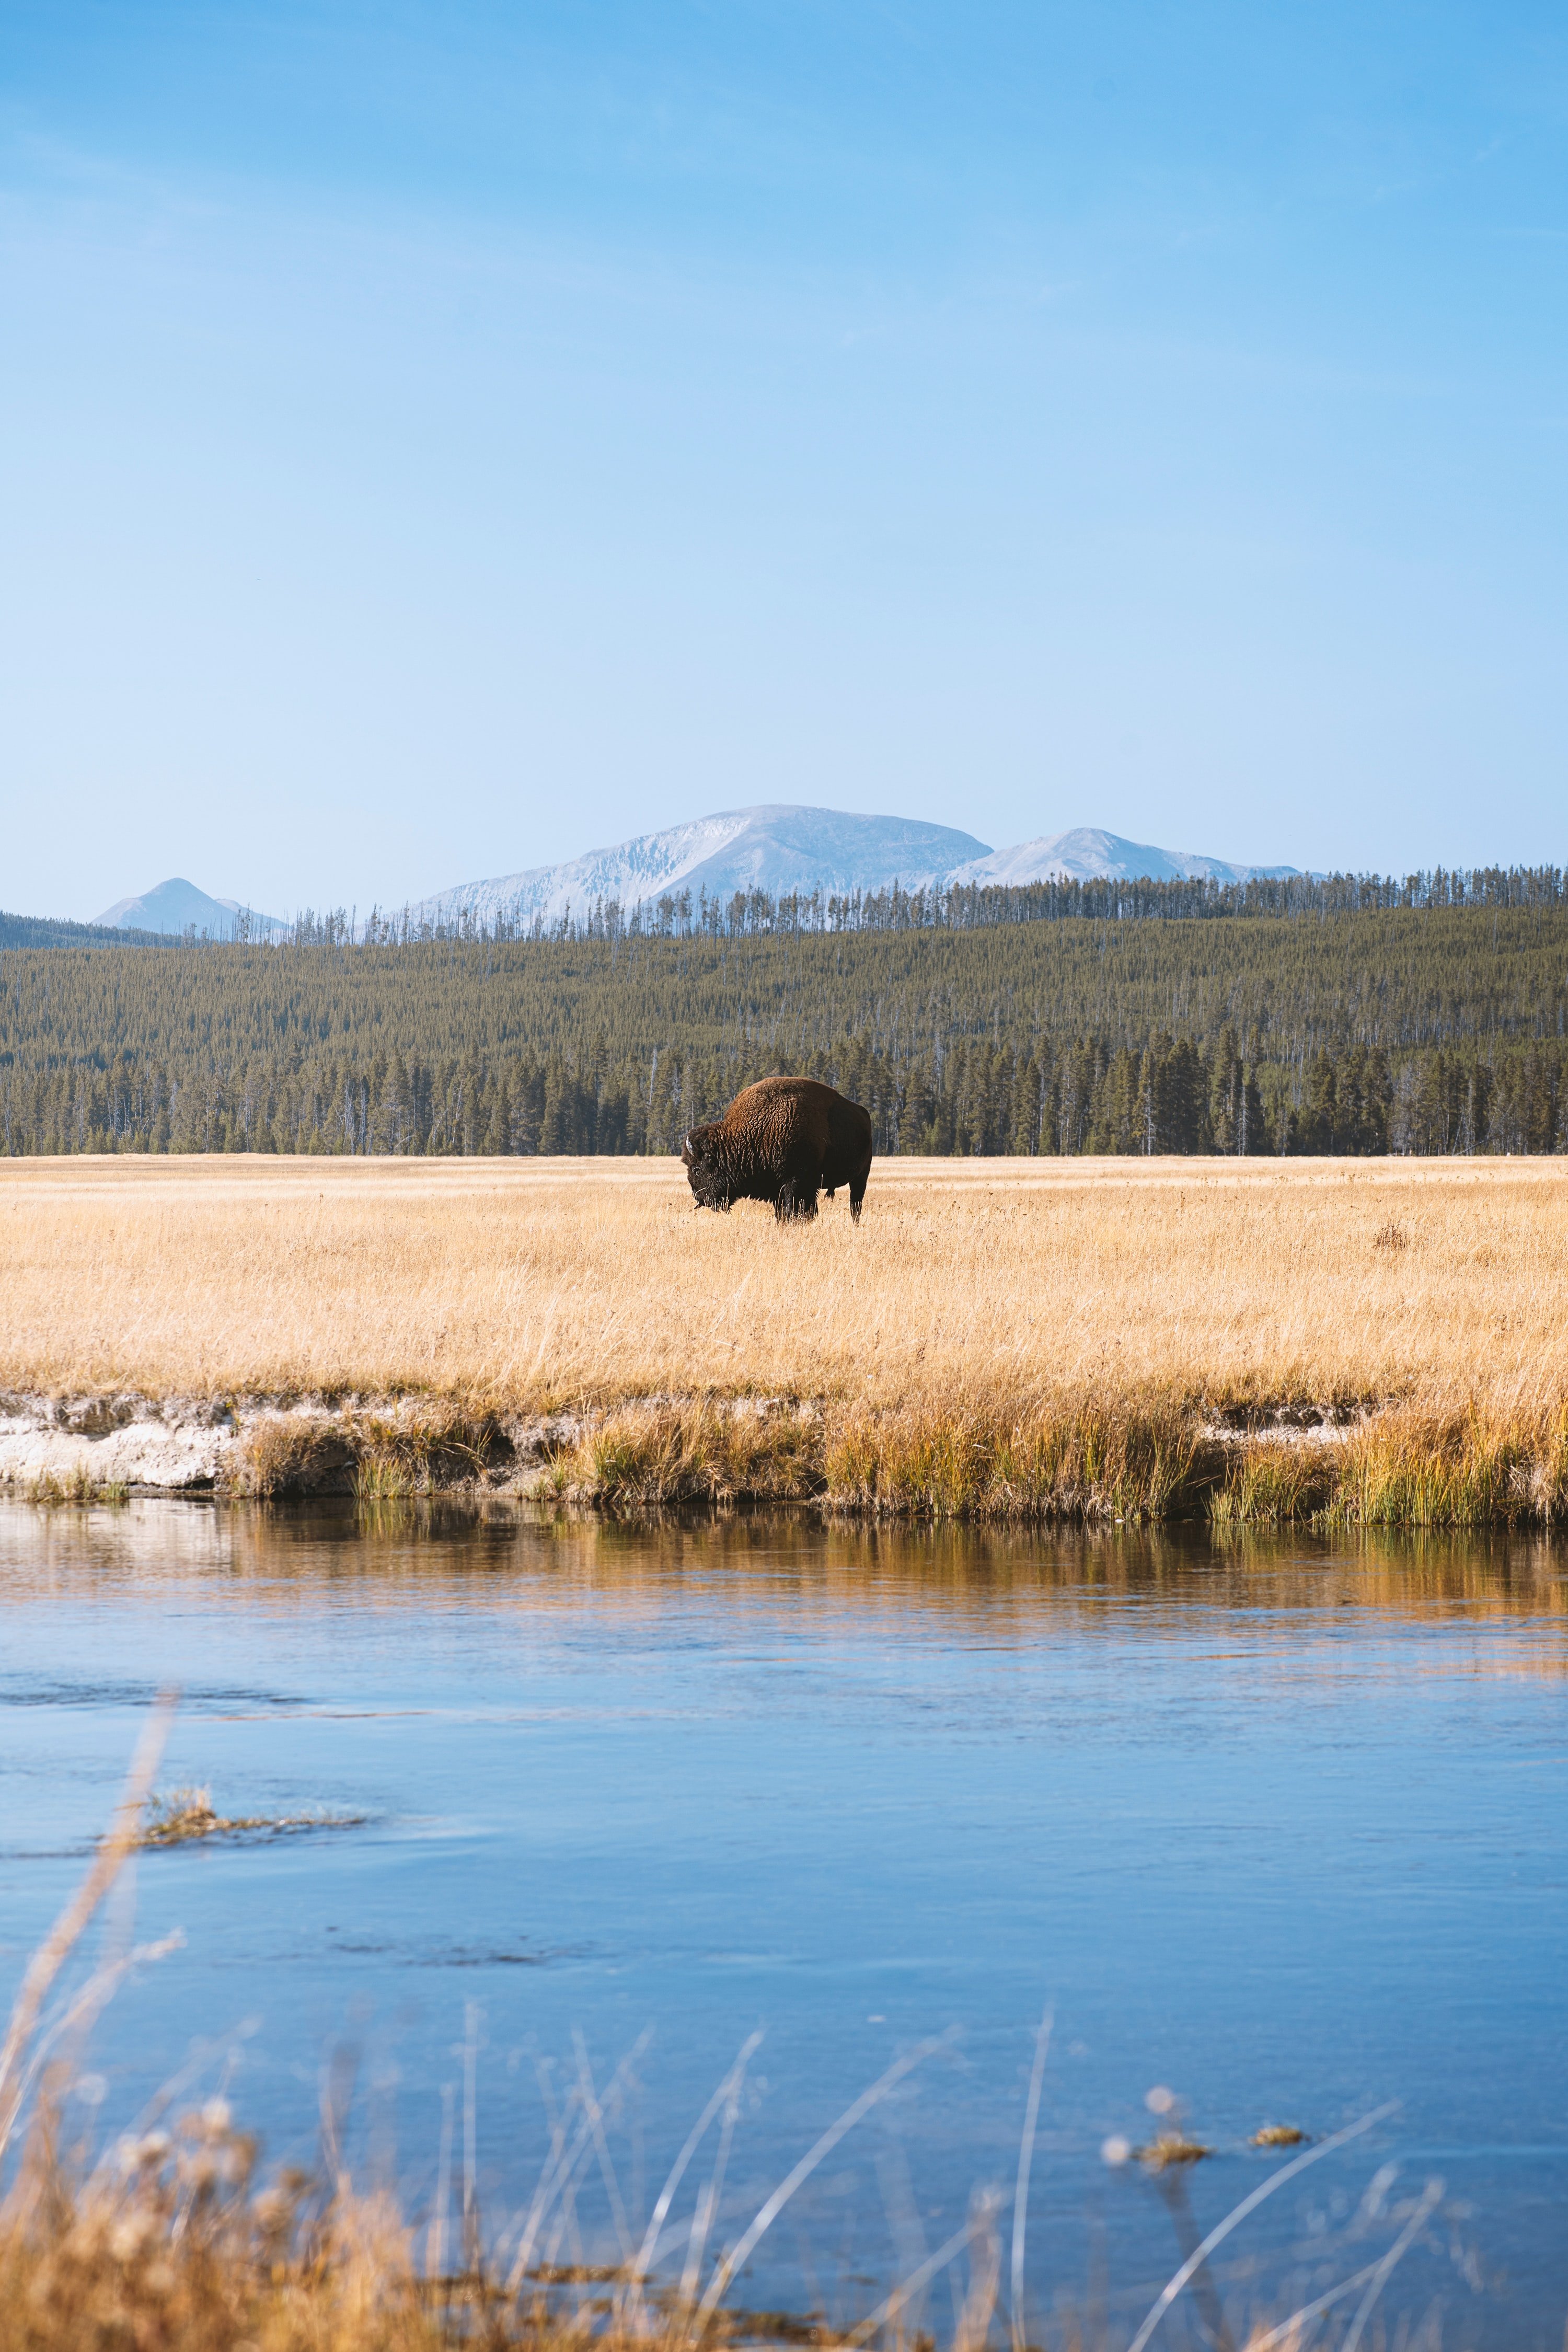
(186, 1815)
(1168, 2148)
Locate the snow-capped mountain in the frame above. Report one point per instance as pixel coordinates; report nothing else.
(782, 848)
(776, 850)
(1089, 853)
(177, 905)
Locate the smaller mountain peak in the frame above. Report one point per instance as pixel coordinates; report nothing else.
(177, 905)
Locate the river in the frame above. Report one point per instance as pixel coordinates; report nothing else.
(1276, 1826)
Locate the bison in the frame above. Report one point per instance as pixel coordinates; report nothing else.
(781, 1140)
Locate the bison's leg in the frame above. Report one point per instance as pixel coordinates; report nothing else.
(857, 1190)
(795, 1199)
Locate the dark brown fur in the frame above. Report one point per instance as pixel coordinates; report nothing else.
(781, 1140)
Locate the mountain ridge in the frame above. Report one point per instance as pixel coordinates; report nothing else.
(777, 847)
(1088, 853)
(783, 847)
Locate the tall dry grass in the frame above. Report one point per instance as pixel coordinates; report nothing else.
(996, 1336)
(534, 1283)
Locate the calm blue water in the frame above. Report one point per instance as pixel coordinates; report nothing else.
(1281, 1826)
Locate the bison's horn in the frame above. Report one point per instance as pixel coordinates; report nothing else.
(686, 1147)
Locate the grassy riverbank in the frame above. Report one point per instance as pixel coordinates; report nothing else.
(1372, 1342)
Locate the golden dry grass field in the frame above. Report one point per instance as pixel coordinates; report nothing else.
(529, 1284)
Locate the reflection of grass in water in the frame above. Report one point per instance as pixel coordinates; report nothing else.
(1278, 2136)
(185, 1815)
(169, 2243)
(796, 1559)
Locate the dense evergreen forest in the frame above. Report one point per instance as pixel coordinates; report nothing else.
(1345, 1016)
(43, 931)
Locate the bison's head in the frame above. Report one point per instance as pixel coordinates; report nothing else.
(703, 1172)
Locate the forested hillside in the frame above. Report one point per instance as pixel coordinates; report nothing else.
(44, 931)
(1409, 1027)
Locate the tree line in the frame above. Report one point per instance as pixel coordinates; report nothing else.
(1438, 1027)
(977, 1099)
(676, 913)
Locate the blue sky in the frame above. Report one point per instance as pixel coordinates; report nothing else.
(437, 439)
